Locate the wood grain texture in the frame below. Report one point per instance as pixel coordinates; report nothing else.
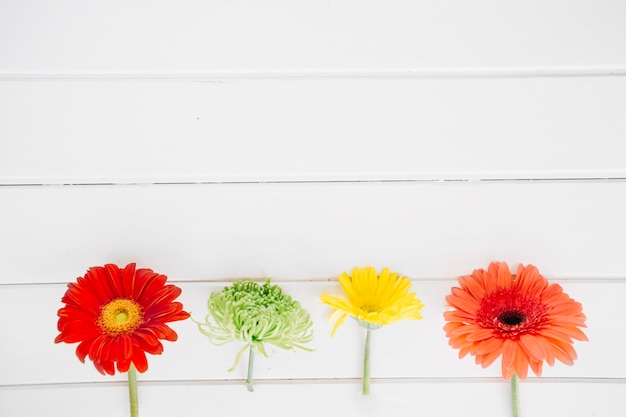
(73, 132)
(219, 140)
(313, 231)
(467, 398)
(278, 36)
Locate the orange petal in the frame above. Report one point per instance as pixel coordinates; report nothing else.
(480, 334)
(489, 345)
(490, 357)
(473, 287)
(504, 277)
(533, 346)
(536, 366)
(521, 362)
(508, 353)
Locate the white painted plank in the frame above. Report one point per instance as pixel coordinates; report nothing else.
(405, 350)
(313, 231)
(306, 129)
(445, 399)
(164, 37)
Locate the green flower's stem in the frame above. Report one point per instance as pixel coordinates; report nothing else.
(132, 391)
(250, 369)
(366, 364)
(515, 395)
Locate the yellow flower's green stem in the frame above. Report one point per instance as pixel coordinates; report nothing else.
(132, 391)
(366, 364)
(250, 369)
(515, 395)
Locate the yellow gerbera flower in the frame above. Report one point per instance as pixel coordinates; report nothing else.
(373, 300)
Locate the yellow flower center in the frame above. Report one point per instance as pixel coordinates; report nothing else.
(370, 308)
(120, 316)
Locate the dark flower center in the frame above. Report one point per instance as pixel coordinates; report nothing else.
(511, 318)
(511, 313)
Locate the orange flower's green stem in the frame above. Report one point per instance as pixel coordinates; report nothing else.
(515, 395)
(132, 391)
(366, 364)
(250, 370)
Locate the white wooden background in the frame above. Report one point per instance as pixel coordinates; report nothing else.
(216, 140)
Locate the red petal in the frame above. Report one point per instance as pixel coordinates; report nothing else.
(129, 276)
(77, 331)
(101, 284)
(124, 365)
(140, 361)
(82, 350)
(148, 342)
(154, 284)
(116, 278)
(82, 297)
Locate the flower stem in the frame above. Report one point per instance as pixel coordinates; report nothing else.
(515, 395)
(250, 369)
(366, 364)
(132, 391)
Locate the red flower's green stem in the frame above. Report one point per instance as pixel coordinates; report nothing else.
(515, 395)
(250, 369)
(132, 391)
(366, 364)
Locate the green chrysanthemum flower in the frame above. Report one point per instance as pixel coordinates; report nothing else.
(256, 314)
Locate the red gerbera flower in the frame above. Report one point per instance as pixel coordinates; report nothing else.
(522, 318)
(118, 315)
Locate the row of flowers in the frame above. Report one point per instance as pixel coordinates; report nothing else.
(117, 315)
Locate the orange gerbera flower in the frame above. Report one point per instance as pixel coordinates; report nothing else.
(522, 318)
(118, 315)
